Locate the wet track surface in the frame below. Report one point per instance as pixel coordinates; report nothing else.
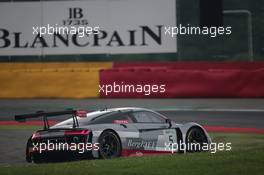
(246, 113)
(13, 146)
(215, 112)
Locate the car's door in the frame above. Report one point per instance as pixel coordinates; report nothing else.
(154, 131)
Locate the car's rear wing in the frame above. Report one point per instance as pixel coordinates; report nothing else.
(46, 115)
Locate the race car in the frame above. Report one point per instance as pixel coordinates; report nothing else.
(110, 133)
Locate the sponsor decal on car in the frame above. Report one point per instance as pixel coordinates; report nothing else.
(120, 121)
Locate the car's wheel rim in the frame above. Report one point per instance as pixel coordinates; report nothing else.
(109, 146)
(198, 137)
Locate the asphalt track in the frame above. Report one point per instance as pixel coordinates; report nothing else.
(215, 112)
(241, 113)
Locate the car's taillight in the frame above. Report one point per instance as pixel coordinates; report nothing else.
(77, 132)
(36, 135)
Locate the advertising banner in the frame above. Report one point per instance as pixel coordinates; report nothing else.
(87, 27)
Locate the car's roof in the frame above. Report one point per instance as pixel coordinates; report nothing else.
(98, 113)
(125, 109)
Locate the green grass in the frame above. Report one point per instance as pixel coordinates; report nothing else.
(246, 157)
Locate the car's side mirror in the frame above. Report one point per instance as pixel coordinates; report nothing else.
(169, 122)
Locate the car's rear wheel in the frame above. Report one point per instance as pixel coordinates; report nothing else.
(37, 158)
(195, 139)
(109, 145)
(28, 153)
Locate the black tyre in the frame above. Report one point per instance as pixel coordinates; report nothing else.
(28, 154)
(195, 139)
(37, 158)
(109, 145)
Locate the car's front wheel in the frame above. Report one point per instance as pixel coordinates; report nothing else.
(195, 139)
(109, 145)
